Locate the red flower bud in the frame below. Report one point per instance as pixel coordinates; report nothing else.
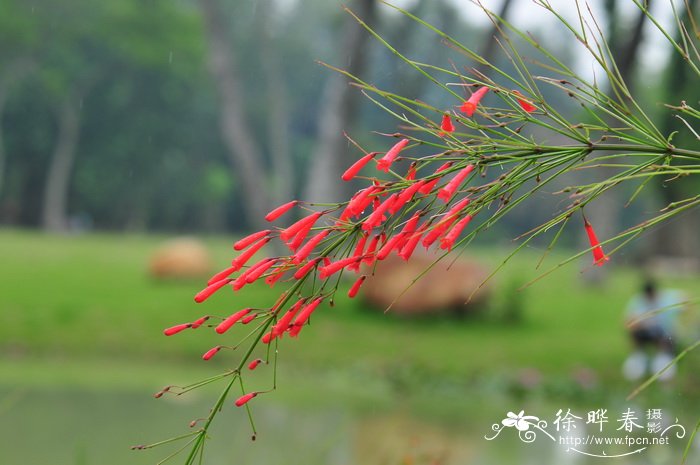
(292, 230)
(283, 323)
(448, 241)
(254, 364)
(248, 318)
(309, 247)
(231, 320)
(211, 352)
(304, 270)
(334, 267)
(303, 316)
(243, 258)
(385, 162)
(205, 293)
(176, 329)
(246, 241)
(245, 398)
(411, 174)
(199, 322)
(351, 172)
(281, 210)
(356, 286)
(449, 190)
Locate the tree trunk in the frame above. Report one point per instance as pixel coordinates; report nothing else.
(604, 212)
(54, 211)
(13, 73)
(339, 110)
(277, 108)
(244, 154)
(679, 237)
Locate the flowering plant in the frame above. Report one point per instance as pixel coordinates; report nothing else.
(433, 186)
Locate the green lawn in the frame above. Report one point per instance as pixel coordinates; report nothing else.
(81, 330)
(88, 297)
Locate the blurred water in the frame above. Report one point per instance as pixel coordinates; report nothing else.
(83, 427)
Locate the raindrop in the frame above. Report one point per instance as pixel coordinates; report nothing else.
(170, 58)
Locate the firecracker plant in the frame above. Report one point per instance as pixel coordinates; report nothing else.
(430, 185)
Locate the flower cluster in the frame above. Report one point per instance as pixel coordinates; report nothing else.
(382, 218)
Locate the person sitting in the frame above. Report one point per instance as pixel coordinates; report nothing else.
(651, 317)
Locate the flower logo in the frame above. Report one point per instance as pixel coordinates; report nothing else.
(520, 421)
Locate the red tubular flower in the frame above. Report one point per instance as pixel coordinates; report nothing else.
(385, 162)
(356, 287)
(304, 316)
(369, 253)
(410, 245)
(377, 216)
(351, 172)
(446, 125)
(292, 230)
(283, 323)
(388, 247)
(427, 188)
(449, 190)
(360, 247)
(448, 241)
(243, 258)
(469, 107)
(360, 201)
(247, 319)
(205, 293)
(222, 275)
(274, 277)
(407, 194)
(334, 267)
(199, 322)
(524, 104)
(599, 257)
(245, 398)
(437, 231)
(176, 329)
(309, 247)
(243, 279)
(304, 270)
(299, 238)
(411, 173)
(231, 320)
(281, 210)
(456, 208)
(254, 364)
(358, 253)
(408, 230)
(211, 352)
(246, 241)
(259, 270)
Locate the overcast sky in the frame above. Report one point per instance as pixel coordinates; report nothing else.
(526, 15)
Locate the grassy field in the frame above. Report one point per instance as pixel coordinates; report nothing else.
(88, 297)
(80, 313)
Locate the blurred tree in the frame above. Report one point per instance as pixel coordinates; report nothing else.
(339, 110)
(244, 152)
(680, 238)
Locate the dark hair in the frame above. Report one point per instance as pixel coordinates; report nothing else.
(649, 287)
